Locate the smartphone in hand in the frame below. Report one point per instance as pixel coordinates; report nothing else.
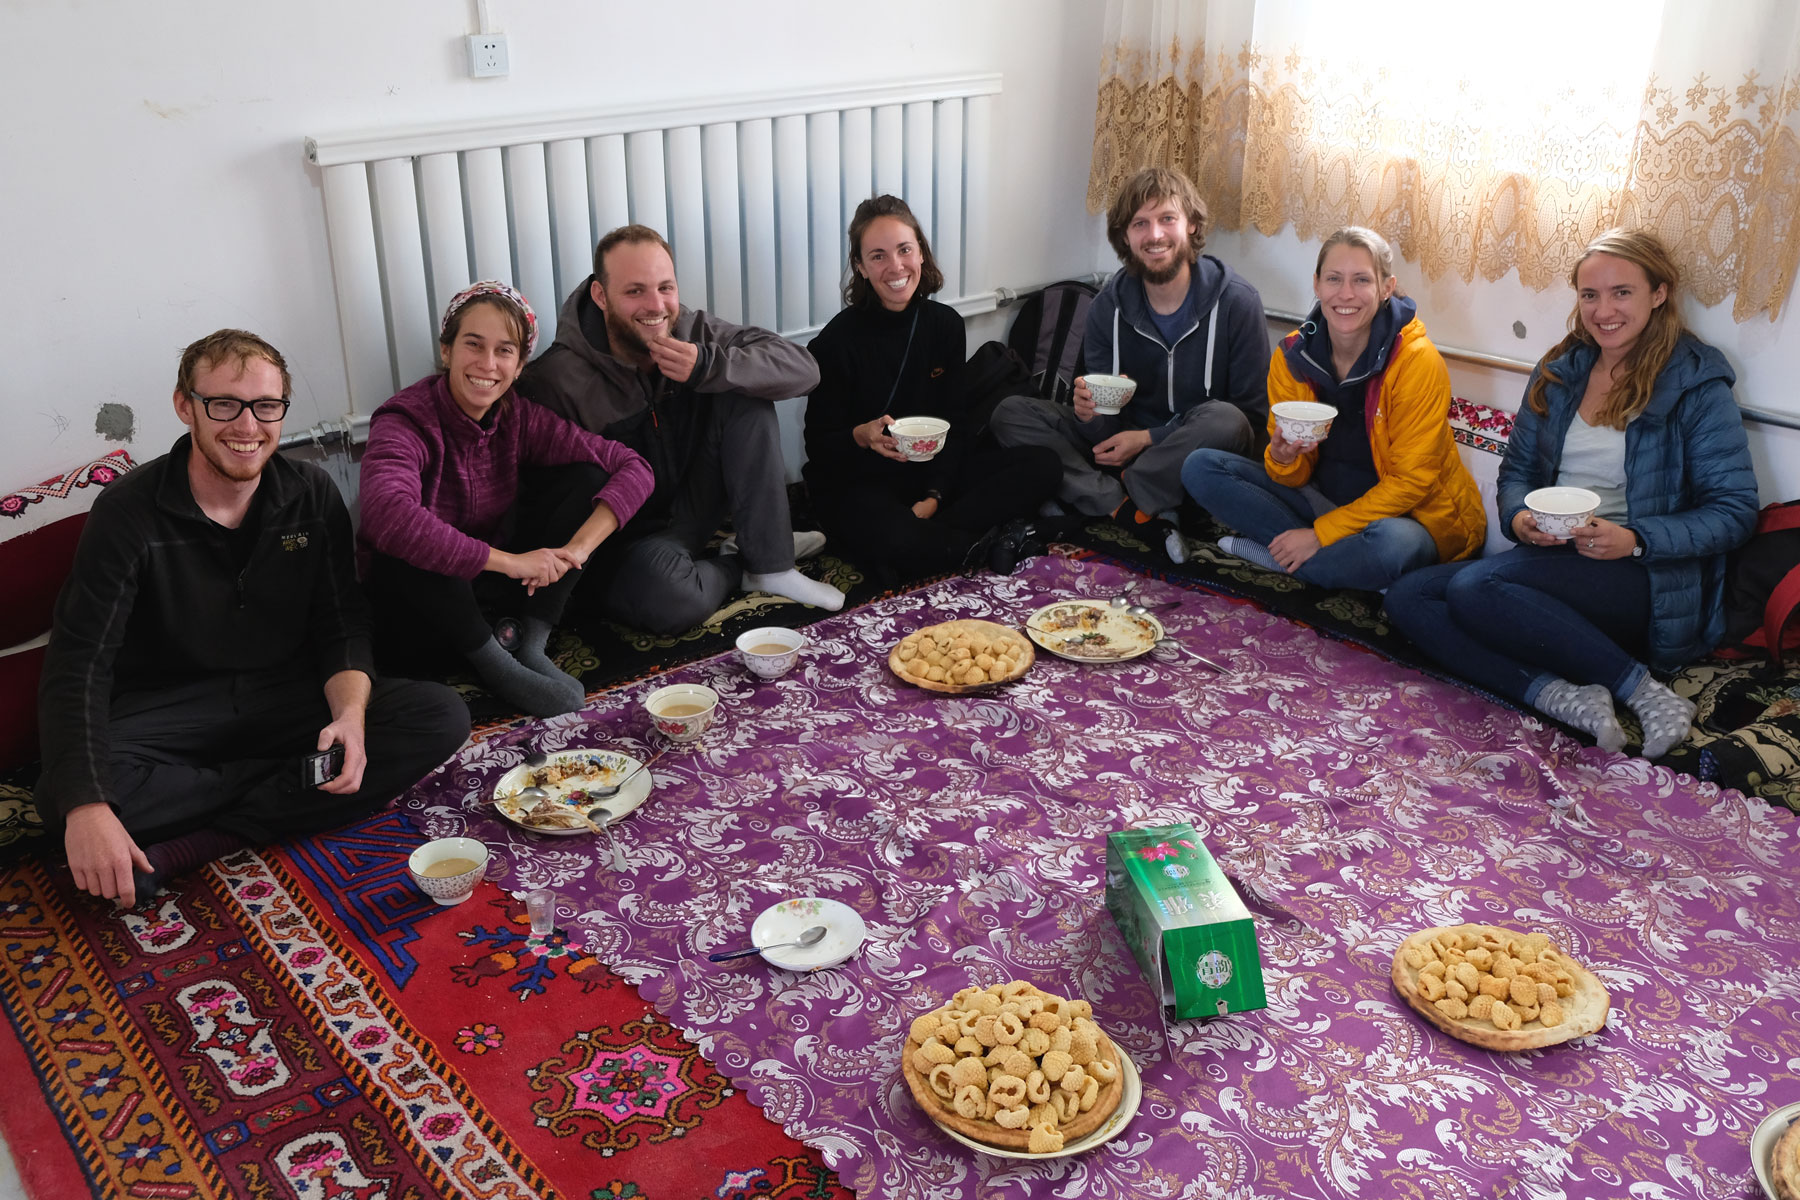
(322, 767)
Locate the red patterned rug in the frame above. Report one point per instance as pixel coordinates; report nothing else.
(301, 1022)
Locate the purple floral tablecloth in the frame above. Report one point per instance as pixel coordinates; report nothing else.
(1350, 800)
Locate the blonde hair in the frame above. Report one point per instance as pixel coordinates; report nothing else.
(1365, 239)
(1629, 395)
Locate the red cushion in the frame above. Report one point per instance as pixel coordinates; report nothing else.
(18, 706)
(32, 569)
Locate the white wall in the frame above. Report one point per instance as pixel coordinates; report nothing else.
(1481, 316)
(158, 190)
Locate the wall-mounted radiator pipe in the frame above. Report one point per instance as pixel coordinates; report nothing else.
(350, 428)
(1520, 366)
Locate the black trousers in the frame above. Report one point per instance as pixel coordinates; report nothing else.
(871, 522)
(425, 622)
(225, 752)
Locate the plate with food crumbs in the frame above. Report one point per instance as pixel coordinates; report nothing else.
(1017, 1072)
(1497, 988)
(961, 656)
(1092, 631)
(1775, 1152)
(567, 776)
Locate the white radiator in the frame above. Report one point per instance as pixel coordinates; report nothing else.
(754, 196)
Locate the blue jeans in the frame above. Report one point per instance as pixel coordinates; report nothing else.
(1515, 621)
(1240, 493)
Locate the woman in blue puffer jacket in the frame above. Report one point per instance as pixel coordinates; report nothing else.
(1633, 407)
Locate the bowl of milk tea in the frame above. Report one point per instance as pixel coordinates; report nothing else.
(447, 869)
(771, 652)
(682, 712)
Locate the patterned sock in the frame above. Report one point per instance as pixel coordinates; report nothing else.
(1589, 709)
(1250, 551)
(539, 694)
(1667, 718)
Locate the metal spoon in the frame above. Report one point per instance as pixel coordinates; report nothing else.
(811, 937)
(602, 793)
(1143, 610)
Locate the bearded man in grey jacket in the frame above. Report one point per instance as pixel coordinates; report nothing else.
(695, 396)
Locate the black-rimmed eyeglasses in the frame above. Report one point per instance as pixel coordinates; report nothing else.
(227, 408)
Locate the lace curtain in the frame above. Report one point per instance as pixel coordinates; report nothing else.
(1479, 139)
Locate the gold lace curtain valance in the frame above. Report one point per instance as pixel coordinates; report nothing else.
(1466, 181)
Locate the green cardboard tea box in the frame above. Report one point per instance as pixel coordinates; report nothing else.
(1191, 935)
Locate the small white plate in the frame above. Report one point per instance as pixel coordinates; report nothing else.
(786, 921)
(1129, 1099)
(1762, 1142)
(570, 793)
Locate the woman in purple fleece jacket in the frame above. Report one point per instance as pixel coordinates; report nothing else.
(449, 514)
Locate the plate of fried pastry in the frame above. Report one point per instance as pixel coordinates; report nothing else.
(567, 776)
(1017, 1072)
(961, 656)
(1775, 1151)
(1498, 988)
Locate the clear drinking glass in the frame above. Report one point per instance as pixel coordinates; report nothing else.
(540, 906)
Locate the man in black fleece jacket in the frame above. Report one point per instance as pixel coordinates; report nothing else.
(210, 635)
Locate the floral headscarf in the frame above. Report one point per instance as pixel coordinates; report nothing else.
(493, 287)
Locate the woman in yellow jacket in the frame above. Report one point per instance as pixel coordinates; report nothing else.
(1386, 492)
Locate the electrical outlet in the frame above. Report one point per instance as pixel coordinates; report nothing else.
(487, 55)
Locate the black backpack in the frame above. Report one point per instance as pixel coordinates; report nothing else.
(1047, 335)
(1762, 587)
(992, 373)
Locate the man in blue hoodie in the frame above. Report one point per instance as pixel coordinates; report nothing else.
(1189, 330)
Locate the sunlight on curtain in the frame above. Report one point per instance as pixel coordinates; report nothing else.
(1480, 140)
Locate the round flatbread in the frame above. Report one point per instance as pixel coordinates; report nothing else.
(986, 1129)
(1784, 1164)
(1580, 1000)
(943, 657)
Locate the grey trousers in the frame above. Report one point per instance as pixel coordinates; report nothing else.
(1152, 480)
(661, 583)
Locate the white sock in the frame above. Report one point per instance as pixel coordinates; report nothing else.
(1175, 547)
(795, 586)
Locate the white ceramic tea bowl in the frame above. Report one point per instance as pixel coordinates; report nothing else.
(920, 438)
(665, 704)
(1111, 392)
(448, 889)
(1558, 510)
(767, 665)
(1303, 420)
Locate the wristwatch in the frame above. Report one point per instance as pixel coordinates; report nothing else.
(1637, 551)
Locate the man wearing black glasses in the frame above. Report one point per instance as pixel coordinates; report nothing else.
(209, 683)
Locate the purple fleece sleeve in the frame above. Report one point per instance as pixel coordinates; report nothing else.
(395, 521)
(548, 440)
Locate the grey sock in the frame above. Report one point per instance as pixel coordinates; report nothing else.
(1250, 551)
(514, 681)
(1666, 717)
(1589, 709)
(534, 635)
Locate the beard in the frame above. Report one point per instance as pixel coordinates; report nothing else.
(624, 335)
(1180, 260)
(226, 465)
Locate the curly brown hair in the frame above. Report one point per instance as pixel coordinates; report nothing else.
(1635, 378)
(1156, 183)
(857, 290)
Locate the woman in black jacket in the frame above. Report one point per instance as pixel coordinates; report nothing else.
(892, 352)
